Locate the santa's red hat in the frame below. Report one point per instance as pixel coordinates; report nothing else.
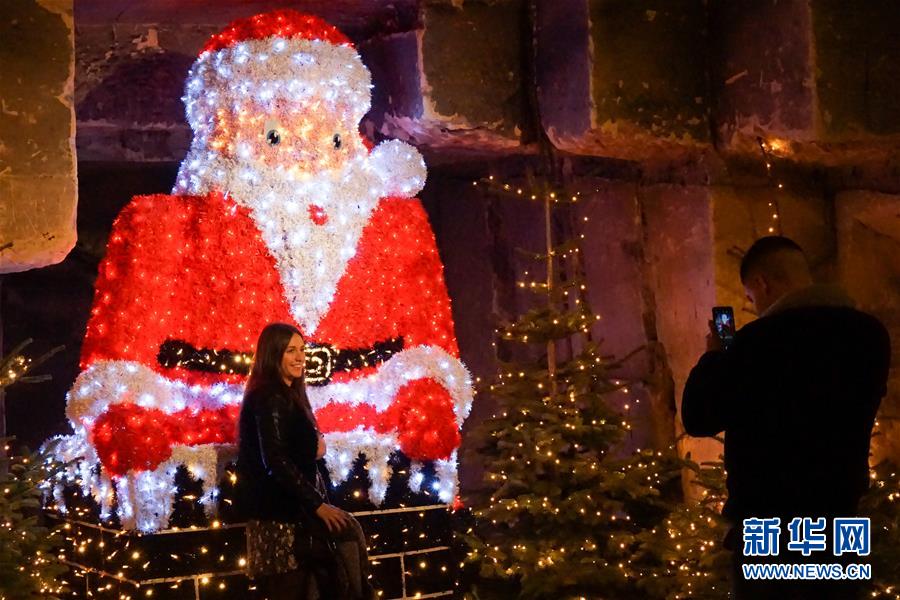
(282, 54)
(284, 24)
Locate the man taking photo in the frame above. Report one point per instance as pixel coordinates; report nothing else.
(796, 394)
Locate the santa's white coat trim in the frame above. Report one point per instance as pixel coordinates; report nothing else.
(145, 497)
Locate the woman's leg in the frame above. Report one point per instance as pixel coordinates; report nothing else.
(352, 552)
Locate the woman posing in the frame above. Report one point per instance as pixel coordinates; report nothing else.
(298, 545)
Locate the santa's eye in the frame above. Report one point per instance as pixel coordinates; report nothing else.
(336, 140)
(273, 137)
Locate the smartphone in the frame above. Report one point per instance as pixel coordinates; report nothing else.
(723, 319)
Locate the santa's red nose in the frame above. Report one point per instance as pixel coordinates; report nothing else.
(317, 214)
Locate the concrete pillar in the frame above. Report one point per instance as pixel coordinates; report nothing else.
(38, 187)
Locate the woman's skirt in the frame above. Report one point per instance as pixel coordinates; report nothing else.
(289, 561)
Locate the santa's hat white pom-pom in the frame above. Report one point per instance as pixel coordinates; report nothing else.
(400, 168)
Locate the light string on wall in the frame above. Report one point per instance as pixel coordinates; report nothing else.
(768, 147)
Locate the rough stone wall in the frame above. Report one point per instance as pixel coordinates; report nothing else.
(868, 227)
(686, 85)
(658, 110)
(679, 250)
(129, 83)
(37, 133)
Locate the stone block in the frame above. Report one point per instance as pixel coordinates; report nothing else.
(856, 50)
(816, 79)
(613, 253)
(37, 129)
(680, 253)
(609, 218)
(397, 96)
(468, 89)
(868, 226)
(129, 83)
(624, 78)
(761, 72)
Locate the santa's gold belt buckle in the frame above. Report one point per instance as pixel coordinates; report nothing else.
(319, 364)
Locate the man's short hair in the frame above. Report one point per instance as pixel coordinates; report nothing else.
(761, 254)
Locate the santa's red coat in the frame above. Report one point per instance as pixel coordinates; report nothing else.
(196, 269)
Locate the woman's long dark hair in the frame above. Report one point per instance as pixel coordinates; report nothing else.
(273, 341)
(266, 370)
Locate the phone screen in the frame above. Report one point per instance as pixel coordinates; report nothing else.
(723, 319)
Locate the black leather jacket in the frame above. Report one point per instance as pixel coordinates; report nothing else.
(276, 468)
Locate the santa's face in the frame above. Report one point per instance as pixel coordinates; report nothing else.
(299, 138)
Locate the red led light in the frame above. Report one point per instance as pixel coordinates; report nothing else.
(280, 23)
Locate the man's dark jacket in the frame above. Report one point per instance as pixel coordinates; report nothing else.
(796, 395)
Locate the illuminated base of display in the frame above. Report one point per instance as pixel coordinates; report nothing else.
(208, 562)
(411, 547)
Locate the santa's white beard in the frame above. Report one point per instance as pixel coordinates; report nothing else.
(310, 257)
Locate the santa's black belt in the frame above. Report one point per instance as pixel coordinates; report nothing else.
(322, 360)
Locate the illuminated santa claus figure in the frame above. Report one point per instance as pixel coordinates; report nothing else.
(281, 212)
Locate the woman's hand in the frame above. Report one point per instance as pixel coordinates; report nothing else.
(335, 519)
(320, 449)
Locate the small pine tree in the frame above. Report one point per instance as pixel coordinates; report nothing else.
(686, 548)
(568, 516)
(29, 563)
(690, 542)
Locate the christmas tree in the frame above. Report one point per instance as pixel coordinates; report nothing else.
(572, 513)
(689, 559)
(29, 565)
(880, 505)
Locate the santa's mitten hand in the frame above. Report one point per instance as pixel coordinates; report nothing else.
(129, 437)
(422, 415)
(211, 426)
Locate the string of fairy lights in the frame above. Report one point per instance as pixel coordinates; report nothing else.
(584, 321)
(768, 148)
(209, 556)
(576, 287)
(17, 367)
